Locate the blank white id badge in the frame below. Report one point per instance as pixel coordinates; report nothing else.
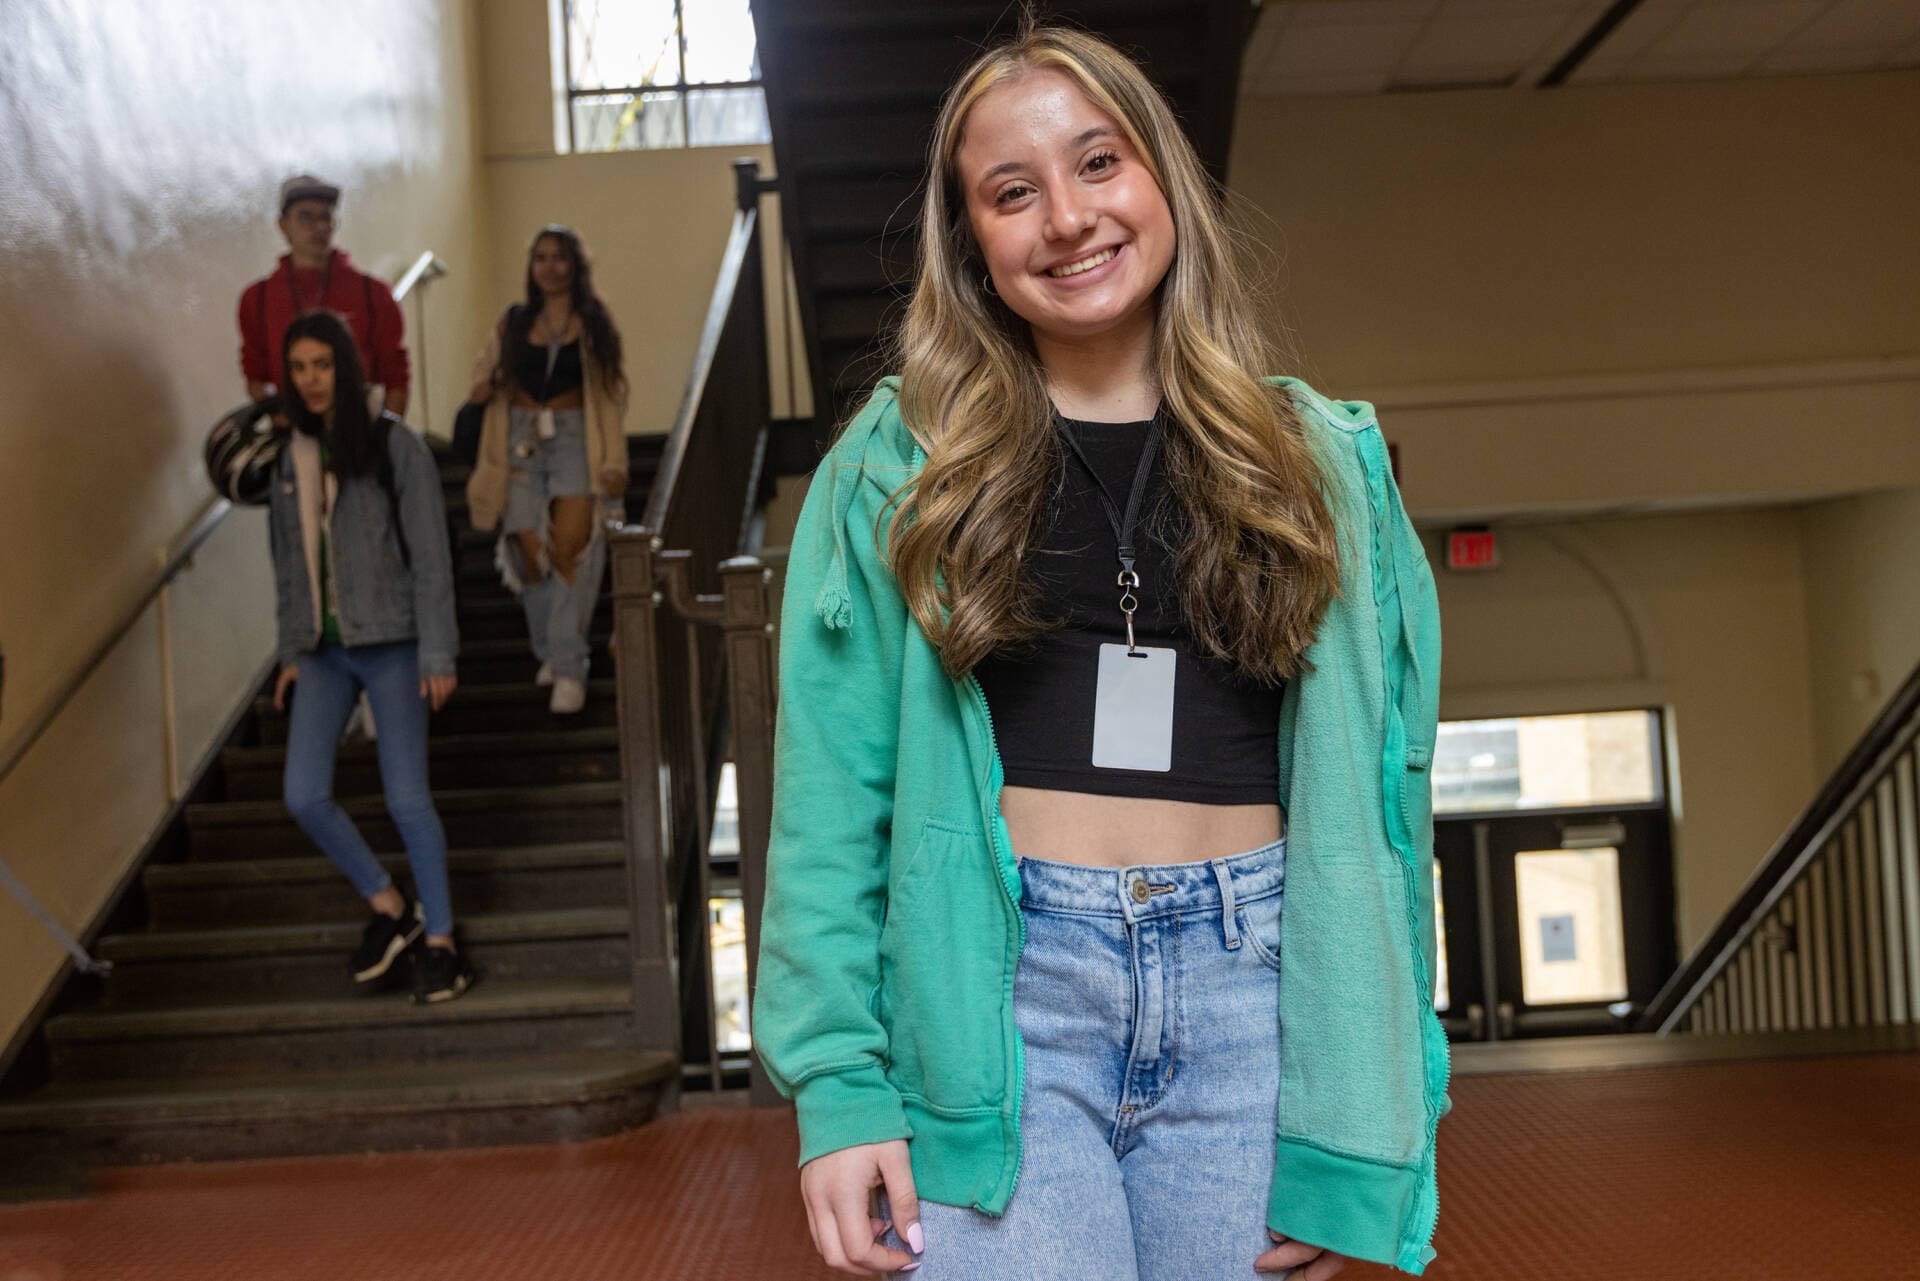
(1133, 709)
(543, 423)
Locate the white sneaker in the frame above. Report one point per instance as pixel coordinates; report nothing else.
(569, 696)
(544, 677)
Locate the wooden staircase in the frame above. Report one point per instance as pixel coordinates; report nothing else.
(853, 88)
(229, 1028)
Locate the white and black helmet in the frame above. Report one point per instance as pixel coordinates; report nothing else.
(241, 450)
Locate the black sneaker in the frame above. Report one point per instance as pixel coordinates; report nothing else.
(440, 974)
(383, 941)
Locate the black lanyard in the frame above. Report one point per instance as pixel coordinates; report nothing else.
(1123, 524)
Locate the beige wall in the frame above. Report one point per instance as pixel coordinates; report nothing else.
(1619, 295)
(140, 186)
(1863, 611)
(1703, 616)
(656, 221)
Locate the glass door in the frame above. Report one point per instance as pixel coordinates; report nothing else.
(1555, 912)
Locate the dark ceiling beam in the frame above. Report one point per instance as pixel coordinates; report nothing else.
(1583, 48)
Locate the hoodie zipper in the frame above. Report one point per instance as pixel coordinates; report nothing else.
(1003, 859)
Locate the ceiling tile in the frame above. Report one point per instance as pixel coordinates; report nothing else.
(1351, 12)
(1733, 32)
(1512, 37)
(1310, 51)
(1875, 24)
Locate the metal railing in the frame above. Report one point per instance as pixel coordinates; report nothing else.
(691, 630)
(175, 559)
(1826, 934)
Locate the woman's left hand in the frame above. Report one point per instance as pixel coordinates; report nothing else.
(1310, 1262)
(612, 483)
(437, 689)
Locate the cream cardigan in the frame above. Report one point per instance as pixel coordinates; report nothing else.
(606, 412)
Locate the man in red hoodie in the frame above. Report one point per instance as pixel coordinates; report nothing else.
(313, 275)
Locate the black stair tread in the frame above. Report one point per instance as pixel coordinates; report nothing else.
(211, 814)
(470, 695)
(283, 871)
(340, 936)
(490, 1000)
(509, 647)
(531, 741)
(399, 1087)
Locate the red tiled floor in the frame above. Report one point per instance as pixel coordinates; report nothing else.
(1778, 1171)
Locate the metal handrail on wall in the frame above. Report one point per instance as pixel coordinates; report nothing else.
(212, 513)
(687, 654)
(1826, 934)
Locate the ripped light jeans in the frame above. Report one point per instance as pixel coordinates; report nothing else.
(559, 613)
(1149, 1002)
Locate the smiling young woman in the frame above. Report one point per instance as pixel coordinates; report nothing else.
(1098, 645)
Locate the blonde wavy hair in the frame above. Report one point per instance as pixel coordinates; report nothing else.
(1260, 559)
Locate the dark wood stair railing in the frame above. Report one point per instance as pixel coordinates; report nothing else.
(687, 654)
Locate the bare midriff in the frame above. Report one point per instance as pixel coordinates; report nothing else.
(565, 400)
(1125, 831)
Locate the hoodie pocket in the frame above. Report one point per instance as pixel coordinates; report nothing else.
(941, 953)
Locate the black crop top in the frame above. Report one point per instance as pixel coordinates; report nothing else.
(1225, 726)
(530, 371)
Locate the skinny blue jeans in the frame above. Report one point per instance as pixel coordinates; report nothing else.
(331, 679)
(1151, 1022)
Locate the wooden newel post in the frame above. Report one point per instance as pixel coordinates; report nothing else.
(634, 552)
(747, 621)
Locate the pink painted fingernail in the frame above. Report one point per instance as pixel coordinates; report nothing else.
(916, 1239)
(911, 1266)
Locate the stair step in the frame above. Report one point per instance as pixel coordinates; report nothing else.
(523, 1098)
(501, 617)
(525, 757)
(293, 891)
(499, 1016)
(279, 962)
(510, 661)
(471, 816)
(521, 705)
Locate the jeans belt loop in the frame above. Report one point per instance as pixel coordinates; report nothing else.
(1222, 874)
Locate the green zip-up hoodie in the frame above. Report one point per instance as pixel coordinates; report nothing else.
(884, 1002)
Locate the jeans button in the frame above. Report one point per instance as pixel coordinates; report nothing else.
(1139, 891)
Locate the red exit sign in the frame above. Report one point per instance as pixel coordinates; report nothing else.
(1472, 549)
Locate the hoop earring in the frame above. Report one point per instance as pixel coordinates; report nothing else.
(986, 286)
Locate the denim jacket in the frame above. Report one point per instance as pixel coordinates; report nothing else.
(378, 597)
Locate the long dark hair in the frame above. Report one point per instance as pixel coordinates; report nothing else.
(596, 325)
(350, 444)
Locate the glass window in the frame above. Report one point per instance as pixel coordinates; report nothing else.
(727, 931)
(1570, 935)
(658, 73)
(1543, 762)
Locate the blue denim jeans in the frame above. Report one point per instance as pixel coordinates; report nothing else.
(1149, 1002)
(559, 613)
(331, 679)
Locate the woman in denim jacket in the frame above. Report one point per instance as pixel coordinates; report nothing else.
(364, 580)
